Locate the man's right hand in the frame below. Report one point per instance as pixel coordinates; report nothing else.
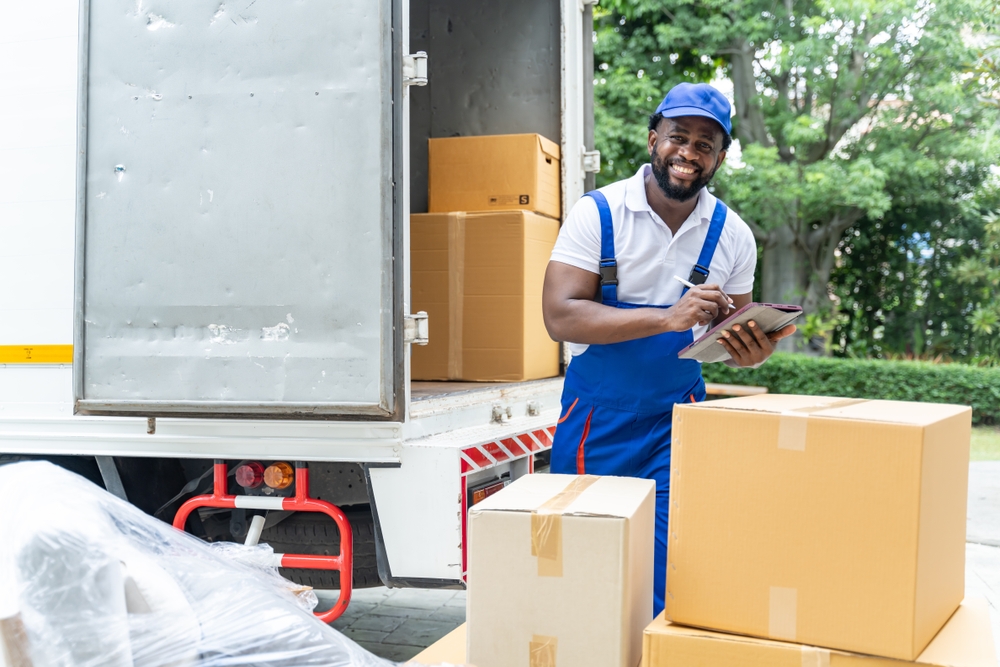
(700, 305)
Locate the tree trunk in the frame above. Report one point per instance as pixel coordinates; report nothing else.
(785, 274)
(785, 268)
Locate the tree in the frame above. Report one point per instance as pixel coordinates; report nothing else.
(836, 101)
(634, 65)
(982, 273)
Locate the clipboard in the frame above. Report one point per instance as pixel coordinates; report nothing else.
(768, 316)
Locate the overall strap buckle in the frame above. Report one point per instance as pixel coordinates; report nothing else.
(699, 274)
(608, 293)
(609, 272)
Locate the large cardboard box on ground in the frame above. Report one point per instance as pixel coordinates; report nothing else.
(561, 572)
(965, 641)
(494, 173)
(824, 521)
(479, 277)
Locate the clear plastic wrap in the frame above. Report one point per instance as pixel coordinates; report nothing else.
(88, 580)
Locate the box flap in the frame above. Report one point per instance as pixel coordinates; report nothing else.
(578, 495)
(966, 640)
(548, 147)
(874, 410)
(449, 650)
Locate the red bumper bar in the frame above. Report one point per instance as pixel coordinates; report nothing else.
(300, 502)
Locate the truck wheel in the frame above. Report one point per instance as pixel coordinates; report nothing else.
(313, 533)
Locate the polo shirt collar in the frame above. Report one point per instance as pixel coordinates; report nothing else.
(635, 197)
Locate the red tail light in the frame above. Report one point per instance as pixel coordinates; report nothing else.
(250, 475)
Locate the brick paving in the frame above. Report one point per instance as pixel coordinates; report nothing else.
(399, 623)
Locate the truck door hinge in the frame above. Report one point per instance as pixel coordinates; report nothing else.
(415, 329)
(591, 161)
(415, 69)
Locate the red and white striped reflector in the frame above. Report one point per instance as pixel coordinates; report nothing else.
(488, 454)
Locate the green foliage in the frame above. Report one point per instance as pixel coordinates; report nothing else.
(895, 279)
(862, 378)
(637, 59)
(982, 273)
(867, 130)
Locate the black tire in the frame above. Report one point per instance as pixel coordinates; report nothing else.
(314, 533)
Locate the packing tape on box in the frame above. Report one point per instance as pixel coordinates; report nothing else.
(546, 527)
(782, 613)
(793, 425)
(815, 657)
(456, 291)
(542, 651)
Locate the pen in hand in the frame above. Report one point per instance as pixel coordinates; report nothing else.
(689, 285)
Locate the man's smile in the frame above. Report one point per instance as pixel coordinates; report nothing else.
(683, 171)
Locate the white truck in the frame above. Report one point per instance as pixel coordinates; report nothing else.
(204, 255)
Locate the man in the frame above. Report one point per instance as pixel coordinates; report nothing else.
(610, 291)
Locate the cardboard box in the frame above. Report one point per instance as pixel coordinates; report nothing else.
(965, 641)
(449, 650)
(494, 173)
(479, 277)
(824, 521)
(561, 572)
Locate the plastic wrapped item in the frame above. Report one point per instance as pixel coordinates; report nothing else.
(87, 580)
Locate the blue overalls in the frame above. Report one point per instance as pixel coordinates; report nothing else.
(618, 399)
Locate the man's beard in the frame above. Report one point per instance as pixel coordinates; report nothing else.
(678, 192)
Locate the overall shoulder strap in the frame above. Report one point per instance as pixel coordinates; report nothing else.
(609, 265)
(699, 274)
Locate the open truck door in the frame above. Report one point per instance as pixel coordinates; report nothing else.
(239, 214)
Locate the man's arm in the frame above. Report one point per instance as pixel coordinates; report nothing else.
(750, 347)
(571, 314)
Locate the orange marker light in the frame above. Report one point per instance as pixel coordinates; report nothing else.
(250, 475)
(279, 475)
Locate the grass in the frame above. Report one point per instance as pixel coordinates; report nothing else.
(985, 443)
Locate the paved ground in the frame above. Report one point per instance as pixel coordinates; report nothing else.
(397, 624)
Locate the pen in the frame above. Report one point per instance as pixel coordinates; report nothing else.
(689, 284)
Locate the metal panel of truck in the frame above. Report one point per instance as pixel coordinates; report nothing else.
(237, 231)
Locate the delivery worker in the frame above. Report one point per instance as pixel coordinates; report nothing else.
(611, 293)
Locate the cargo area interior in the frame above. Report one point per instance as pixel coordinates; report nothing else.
(493, 68)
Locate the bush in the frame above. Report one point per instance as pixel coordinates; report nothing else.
(864, 378)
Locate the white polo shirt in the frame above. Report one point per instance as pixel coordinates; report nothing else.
(649, 255)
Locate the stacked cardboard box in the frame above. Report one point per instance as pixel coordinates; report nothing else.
(965, 641)
(804, 532)
(821, 521)
(479, 257)
(561, 572)
(503, 172)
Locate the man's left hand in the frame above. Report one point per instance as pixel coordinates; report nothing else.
(749, 346)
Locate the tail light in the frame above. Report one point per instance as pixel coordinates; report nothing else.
(250, 475)
(279, 475)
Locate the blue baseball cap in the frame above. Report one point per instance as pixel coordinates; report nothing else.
(697, 99)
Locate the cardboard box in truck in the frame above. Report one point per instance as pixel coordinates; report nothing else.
(831, 522)
(479, 277)
(494, 173)
(965, 641)
(576, 557)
